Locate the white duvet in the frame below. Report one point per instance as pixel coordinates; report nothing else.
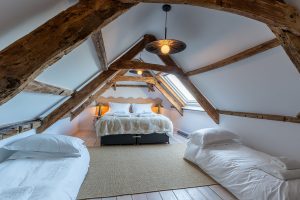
(48, 179)
(234, 167)
(133, 124)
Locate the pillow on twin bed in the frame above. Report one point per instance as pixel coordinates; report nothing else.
(142, 108)
(209, 136)
(47, 143)
(118, 108)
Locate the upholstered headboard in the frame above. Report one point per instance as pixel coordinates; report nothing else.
(103, 102)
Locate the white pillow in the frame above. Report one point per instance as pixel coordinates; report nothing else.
(209, 136)
(47, 143)
(4, 153)
(118, 108)
(142, 108)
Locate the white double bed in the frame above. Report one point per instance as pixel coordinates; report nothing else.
(47, 179)
(236, 167)
(112, 124)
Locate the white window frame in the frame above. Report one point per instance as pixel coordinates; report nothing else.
(188, 102)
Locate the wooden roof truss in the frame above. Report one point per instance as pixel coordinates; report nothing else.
(22, 61)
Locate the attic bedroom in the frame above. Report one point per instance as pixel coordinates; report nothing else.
(149, 100)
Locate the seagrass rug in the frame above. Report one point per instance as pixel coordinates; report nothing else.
(120, 170)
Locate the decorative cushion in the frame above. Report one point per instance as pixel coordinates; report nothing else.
(142, 108)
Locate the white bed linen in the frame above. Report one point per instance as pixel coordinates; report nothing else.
(234, 167)
(113, 125)
(51, 179)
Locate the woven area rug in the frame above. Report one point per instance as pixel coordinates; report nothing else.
(120, 170)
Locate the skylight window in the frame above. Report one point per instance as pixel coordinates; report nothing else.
(181, 90)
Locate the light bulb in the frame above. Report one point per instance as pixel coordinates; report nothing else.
(139, 72)
(165, 49)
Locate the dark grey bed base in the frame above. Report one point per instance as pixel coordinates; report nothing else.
(123, 139)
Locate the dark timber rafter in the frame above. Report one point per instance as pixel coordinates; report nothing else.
(38, 87)
(26, 58)
(100, 49)
(274, 13)
(166, 93)
(283, 19)
(135, 79)
(75, 99)
(235, 58)
(201, 99)
(145, 66)
(262, 116)
(128, 55)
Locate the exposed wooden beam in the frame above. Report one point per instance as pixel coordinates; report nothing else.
(128, 64)
(235, 58)
(98, 41)
(262, 116)
(201, 99)
(128, 55)
(76, 98)
(19, 127)
(22, 61)
(93, 97)
(270, 12)
(38, 87)
(135, 79)
(171, 90)
(175, 104)
(170, 98)
(291, 44)
(131, 86)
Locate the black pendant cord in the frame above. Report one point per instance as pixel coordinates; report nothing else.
(166, 28)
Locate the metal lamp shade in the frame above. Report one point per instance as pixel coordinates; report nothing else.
(176, 46)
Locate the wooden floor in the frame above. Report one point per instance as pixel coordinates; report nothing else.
(214, 192)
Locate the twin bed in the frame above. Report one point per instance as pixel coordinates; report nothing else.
(245, 172)
(28, 175)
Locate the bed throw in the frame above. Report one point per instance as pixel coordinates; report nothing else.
(113, 125)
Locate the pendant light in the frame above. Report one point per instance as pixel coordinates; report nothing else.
(166, 46)
(138, 72)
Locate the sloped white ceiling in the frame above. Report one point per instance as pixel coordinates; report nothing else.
(26, 106)
(267, 82)
(74, 69)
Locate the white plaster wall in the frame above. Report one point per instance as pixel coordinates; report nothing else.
(64, 127)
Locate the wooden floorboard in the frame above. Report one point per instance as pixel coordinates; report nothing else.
(208, 193)
(222, 192)
(168, 195)
(139, 197)
(109, 198)
(125, 197)
(153, 196)
(195, 194)
(214, 192)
